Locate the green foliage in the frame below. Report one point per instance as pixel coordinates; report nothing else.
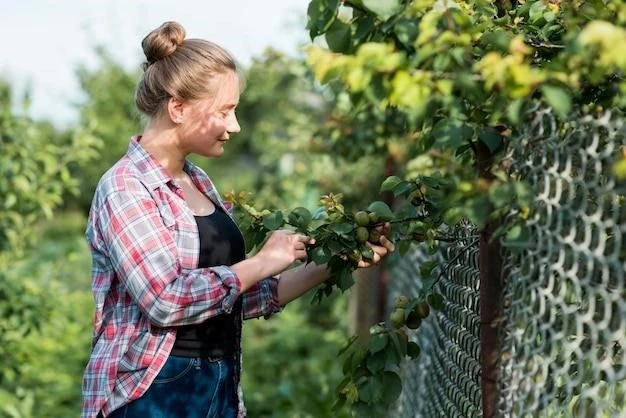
(34, 172)
(451, 81)
(290, 361)
(34, 176)
(109, 115)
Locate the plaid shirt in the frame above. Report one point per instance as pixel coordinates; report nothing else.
(145, 247)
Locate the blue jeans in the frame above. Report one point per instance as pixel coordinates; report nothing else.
(187, 388)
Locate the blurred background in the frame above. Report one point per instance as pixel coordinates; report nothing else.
(67, 78)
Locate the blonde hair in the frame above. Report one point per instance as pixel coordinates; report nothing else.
(179, 67)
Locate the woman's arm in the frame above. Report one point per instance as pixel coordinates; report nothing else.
(297, 281)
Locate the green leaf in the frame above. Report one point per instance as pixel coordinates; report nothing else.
(367, 391)
(491, 138)
(450, 133)
(339, 36)
(558, 98)
(502, 195)
(320, 255)
(392, 387)
(517, 238)
(514, 111)
(436, 301)
(320, 213)
(341, 228)
(273, 221)
(300, 217)
(404, 188)
(320, 15)
(376, 361)
(389, 183)
(381, 209)
(378, 342)
(383, 8)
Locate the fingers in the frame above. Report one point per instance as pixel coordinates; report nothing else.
(380, 251)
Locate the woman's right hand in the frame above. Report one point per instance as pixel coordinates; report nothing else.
(282, 248)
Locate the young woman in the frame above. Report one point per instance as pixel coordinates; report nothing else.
(170, 276)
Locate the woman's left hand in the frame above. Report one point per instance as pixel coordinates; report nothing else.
(381, 249)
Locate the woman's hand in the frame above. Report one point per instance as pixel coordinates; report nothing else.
(282, 248)
(381, 249)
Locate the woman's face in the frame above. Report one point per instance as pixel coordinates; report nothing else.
(208, 123)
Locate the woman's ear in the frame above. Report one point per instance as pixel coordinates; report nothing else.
(175, 110)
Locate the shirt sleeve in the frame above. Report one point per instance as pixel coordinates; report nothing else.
(145, 257)
(261, 299)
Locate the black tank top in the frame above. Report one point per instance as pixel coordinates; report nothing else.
(221, 244)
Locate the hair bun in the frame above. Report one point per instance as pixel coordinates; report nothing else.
(162, 42)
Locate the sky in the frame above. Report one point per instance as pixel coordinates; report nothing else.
(43, 41)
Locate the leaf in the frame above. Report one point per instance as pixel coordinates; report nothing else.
(491, 138)
(367, 391)
(450, 133)
(517, 238)
(273, 221)
(514, 111)
(436, 301)
(320, 213)
(300, 217)
(339, 36)
(383, 8)
(320, 15)
(320, 255)
(389, 183)
(376, 361)
(392, 387)
(378, 342)
(341, 228)
(381, 209)
(558, 98)
(348, 344)
(404, 188)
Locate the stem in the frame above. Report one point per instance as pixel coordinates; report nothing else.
(442, 238)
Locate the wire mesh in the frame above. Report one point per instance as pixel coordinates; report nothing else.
(564, 323)
(563, 328)
(444, 381)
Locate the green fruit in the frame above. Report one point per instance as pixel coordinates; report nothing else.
(413, 320)
(362, 234)
(422, 309)
(401, 302)
(396, 319)
(355, 255)
(362, 218)
(374, 236)
(374, 218)
(367, 253)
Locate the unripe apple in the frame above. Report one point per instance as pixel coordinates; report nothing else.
(396, 319)
(362, 234)
(361, 218)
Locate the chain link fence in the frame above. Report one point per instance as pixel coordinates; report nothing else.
(563, 324)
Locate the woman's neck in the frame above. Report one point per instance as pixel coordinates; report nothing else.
(164, 146)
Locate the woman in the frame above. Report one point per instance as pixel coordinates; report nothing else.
(170, 277)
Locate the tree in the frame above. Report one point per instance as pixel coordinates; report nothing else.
(34, 176)
(447, 85)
